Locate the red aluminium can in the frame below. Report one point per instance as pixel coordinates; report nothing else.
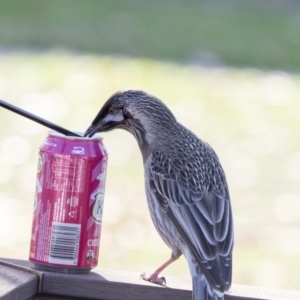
(68, 203)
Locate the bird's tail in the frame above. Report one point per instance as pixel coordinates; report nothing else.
(201, 290)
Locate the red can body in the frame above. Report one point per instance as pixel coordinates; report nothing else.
(68, 205)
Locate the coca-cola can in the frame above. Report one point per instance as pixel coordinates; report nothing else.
(68, 203)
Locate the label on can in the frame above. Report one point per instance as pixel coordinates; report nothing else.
(68, 202)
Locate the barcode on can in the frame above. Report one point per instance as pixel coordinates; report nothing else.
(64, 243)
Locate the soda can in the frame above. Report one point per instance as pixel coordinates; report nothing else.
(68, 203)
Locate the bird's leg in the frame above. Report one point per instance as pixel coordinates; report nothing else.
(154, 276)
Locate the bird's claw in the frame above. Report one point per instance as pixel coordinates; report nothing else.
(154, 279)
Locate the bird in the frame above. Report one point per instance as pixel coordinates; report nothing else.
(186, 189)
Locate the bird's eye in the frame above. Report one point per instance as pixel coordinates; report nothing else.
(111, 110)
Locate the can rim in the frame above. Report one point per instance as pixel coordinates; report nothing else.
(95, 137)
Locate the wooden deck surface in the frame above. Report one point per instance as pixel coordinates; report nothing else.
(20, 281)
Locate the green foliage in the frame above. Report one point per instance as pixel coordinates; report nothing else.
(262, 34)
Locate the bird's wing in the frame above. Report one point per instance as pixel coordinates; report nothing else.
(202, 217)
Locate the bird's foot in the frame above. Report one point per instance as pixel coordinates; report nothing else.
(154, 278)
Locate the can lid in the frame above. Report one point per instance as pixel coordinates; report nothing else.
(95, 137)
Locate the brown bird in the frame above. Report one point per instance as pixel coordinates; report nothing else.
(186, 188)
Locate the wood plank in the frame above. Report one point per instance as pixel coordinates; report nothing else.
(108, 286)
(16, 284)
(240, 292)
(53, 297)
(112, 285)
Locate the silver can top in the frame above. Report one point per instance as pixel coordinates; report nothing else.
(95, 137)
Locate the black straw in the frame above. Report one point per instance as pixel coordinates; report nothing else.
(37, 119)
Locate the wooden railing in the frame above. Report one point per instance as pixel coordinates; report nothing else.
(20, 281)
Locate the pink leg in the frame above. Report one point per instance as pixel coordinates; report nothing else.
(154, 276)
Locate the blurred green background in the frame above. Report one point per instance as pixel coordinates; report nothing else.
(229, 70)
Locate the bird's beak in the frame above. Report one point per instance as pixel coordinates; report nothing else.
(100, 126)
(92, 130)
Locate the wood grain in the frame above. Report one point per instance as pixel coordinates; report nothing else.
(116, 285)
(16, 284)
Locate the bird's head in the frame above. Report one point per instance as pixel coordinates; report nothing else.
(135, 111)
